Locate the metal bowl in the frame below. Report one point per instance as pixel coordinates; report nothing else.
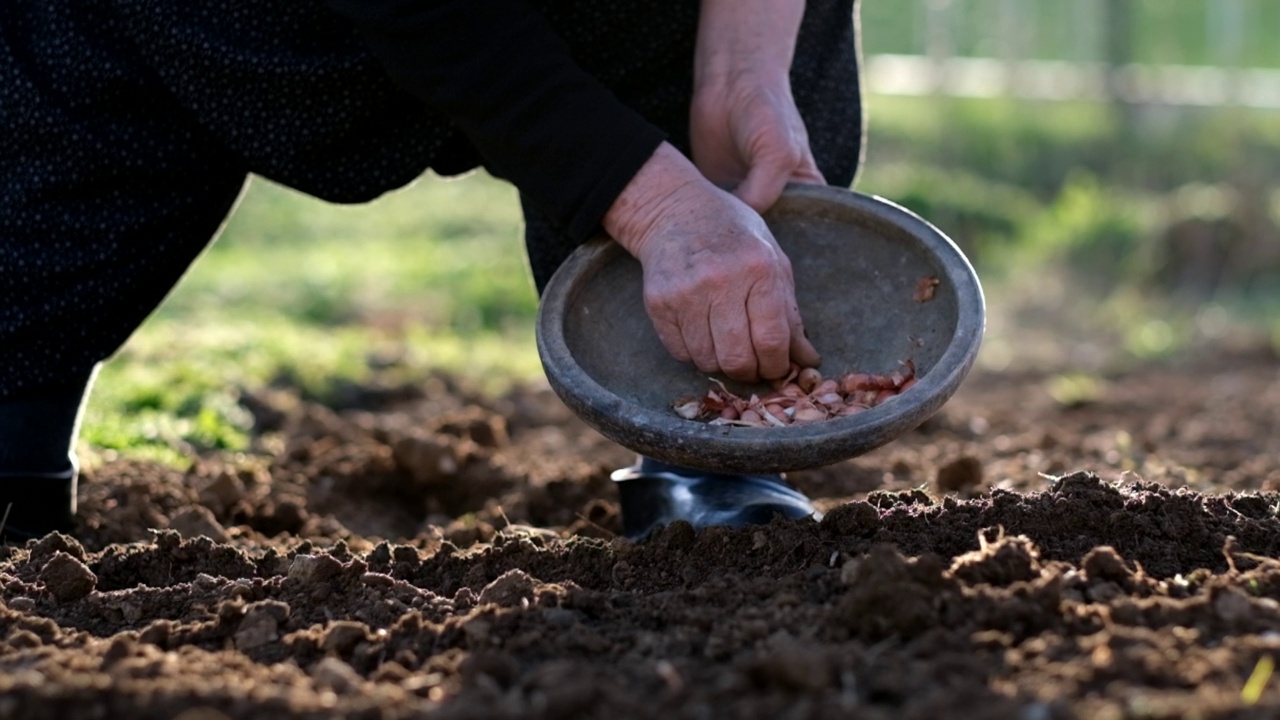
(857, 261)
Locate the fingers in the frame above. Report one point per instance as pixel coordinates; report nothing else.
(693, 343)
(803, 353)
(720, 291)
(733, 339)
(808, 172)
(765, 181)
(770, 331)
(768, 176)
(699, 338)
(760, 343)
(672, 339)
(747, 339)
(686, 334)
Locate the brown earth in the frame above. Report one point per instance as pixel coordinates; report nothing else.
(436, 553)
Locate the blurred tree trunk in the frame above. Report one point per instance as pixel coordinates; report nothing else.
(1226, 24)
(1118, 48)
(1013, 41)
(939, 45)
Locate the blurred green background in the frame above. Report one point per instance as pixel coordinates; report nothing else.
(1183, 32)
(1106, 232)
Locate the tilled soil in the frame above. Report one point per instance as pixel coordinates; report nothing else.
(432, 552)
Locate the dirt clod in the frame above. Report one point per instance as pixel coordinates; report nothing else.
(54, 543)
(261, 624)
(855, 518)
(310, 569)
(343, 636)
(889, 595)
(512, 588)
(66, 578)
(428, 460)
(1003, 562)
(335, 674)
(1104, 563)
(197, 521)
(959, 475)
(223, 492)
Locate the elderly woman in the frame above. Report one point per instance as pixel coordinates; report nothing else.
(127, 130)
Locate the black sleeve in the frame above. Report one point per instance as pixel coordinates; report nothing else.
(499, 71)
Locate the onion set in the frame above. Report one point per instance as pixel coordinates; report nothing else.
(803, 397)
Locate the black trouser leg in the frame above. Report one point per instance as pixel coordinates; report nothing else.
(126, 132)
(88, 249)
(107, 193)
(38, 433)
(88, 296)
(37, 462)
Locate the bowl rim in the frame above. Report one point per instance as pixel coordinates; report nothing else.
(662, 434)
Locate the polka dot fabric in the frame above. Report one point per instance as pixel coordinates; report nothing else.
(126, 134)
(127, 130)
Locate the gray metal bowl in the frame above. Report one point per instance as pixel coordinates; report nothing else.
(857, 261)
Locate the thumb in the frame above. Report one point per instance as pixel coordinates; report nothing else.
(808, 172)
(764, 183)
(803, 353)
(767, 179)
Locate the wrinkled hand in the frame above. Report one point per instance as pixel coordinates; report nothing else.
(717, 287)
(750, 137)
(745, 130)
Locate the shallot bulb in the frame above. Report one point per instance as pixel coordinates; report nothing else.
(803, 397)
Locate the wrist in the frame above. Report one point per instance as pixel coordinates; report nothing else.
(650, 195)
(746, 38)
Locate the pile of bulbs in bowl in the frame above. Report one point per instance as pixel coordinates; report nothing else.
(801, 398)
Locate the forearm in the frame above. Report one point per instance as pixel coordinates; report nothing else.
(745, 131)
(736, 36)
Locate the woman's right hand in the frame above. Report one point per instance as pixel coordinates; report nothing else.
(717, 287)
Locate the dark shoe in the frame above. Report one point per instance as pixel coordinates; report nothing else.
(654, 493)
(32, 506)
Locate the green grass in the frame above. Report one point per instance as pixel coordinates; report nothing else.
(313, 295)
(439, 253)
(1037, 145)
(1164, 31)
